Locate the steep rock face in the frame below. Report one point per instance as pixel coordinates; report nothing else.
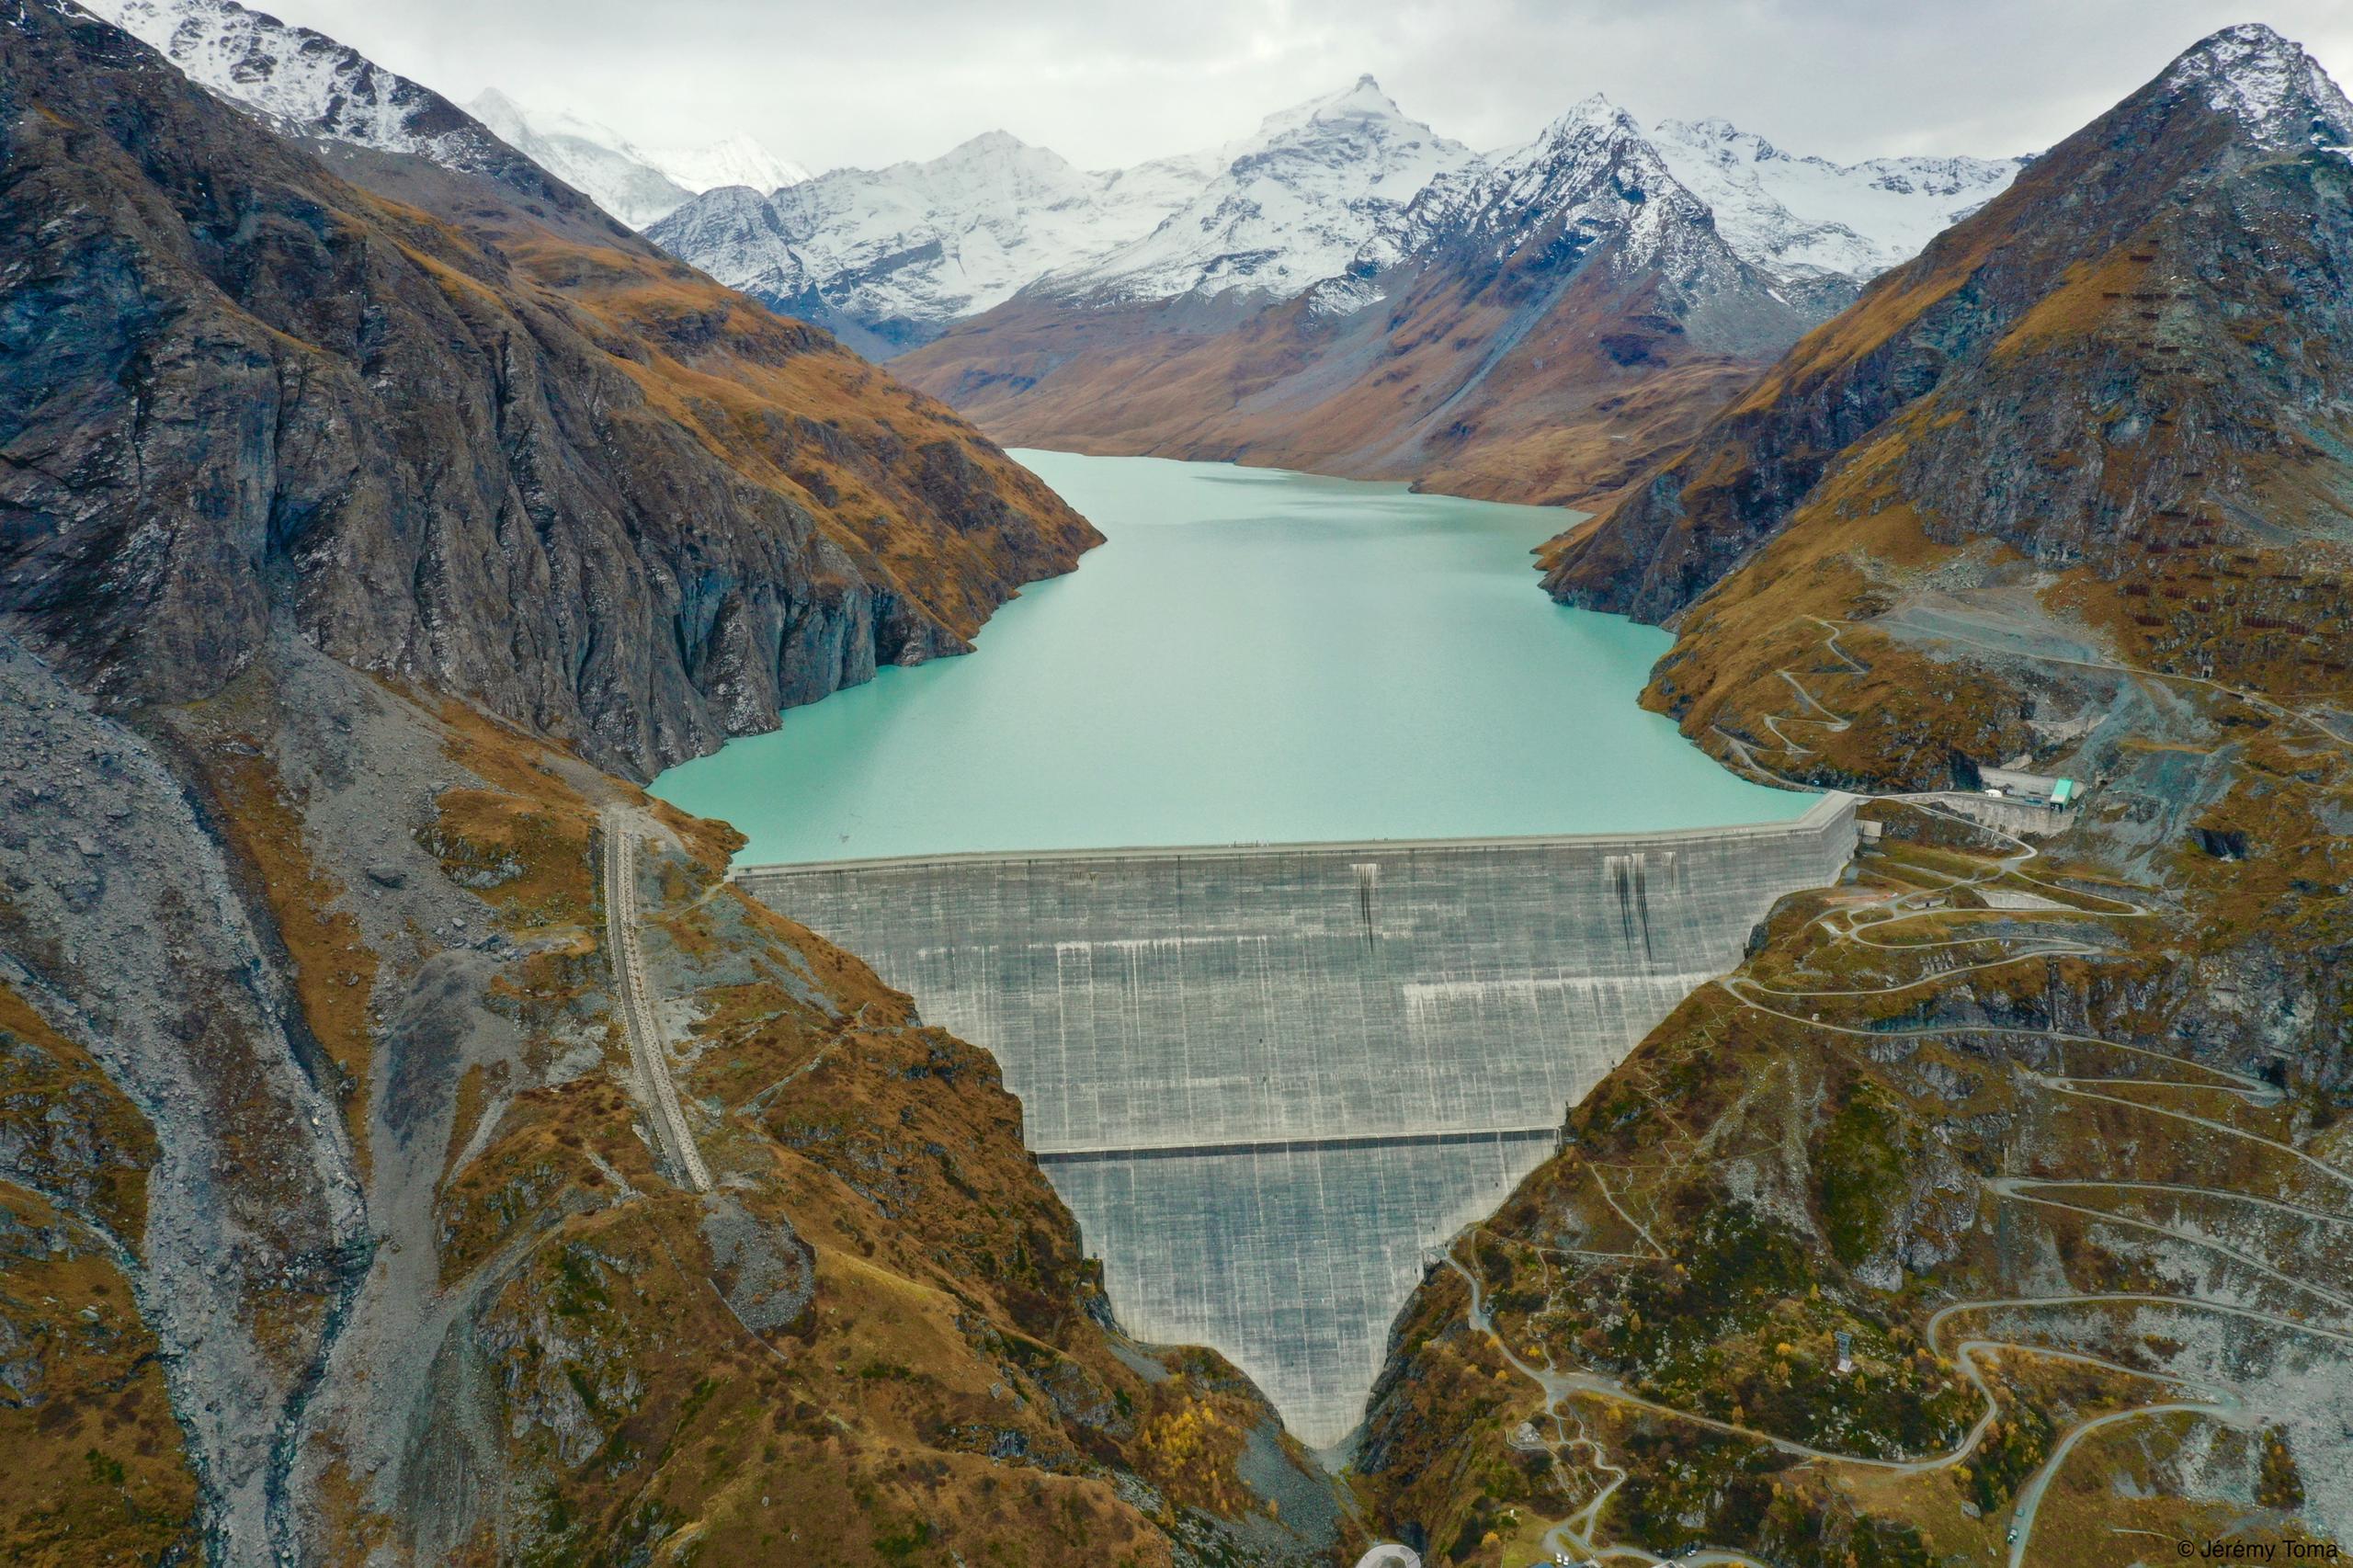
(1855, 1197)
(641, 514)
(2094, 283)
(1534, 326)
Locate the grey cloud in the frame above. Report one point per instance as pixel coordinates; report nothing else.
(873, 81)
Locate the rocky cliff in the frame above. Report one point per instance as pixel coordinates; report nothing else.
(362, 512)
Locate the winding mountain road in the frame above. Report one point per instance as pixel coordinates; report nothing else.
(1865, 927)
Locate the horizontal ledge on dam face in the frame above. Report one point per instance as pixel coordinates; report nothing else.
(1831, 804)
(1302, 1145)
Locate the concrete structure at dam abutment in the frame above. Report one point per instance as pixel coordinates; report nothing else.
(1267, 1078)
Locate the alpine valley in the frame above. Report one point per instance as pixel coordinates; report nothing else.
(1345, 289)
(415, 1147)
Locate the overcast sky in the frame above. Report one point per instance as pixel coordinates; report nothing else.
(1106, 83)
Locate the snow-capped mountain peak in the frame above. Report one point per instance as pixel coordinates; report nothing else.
(2266, 83)
(1362, 100)
(1593, 114)
(732, 160)
(1293, 206)
(1587, 176)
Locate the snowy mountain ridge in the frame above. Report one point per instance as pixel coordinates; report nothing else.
(901, 250)
(303, 81)
(636, 185)
(1318, 198)
(1292, 207)
(1322, 198)
(2268, 83)
(1800, 216)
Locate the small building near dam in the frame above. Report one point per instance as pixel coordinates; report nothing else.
(2035, 788)
(1268, 1079)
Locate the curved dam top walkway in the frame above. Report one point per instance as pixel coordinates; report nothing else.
(1267, 1077)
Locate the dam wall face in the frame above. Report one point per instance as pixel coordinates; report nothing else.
(1267, 1078)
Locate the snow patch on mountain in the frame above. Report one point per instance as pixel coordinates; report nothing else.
(594, 159)
(1292, 206)
(1798, 216)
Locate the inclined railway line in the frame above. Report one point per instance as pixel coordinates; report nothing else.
(649, 1078)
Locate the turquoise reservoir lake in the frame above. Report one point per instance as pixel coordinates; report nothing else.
(1254, 656)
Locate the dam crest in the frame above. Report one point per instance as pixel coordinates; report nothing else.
(1267, 1078)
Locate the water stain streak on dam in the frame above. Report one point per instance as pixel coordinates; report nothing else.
(1266, 1079)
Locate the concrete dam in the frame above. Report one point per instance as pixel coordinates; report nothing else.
(1267, 1078)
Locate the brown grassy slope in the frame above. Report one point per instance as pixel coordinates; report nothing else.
(62, 1115)
(901, 480)
(96, 1470)
(2109, 458)
(909, 489)
(1797, 1180)
(2068, 488)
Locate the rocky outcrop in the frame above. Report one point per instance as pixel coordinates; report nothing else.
(591, 491)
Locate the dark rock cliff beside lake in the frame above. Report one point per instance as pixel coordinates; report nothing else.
(511, 453)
